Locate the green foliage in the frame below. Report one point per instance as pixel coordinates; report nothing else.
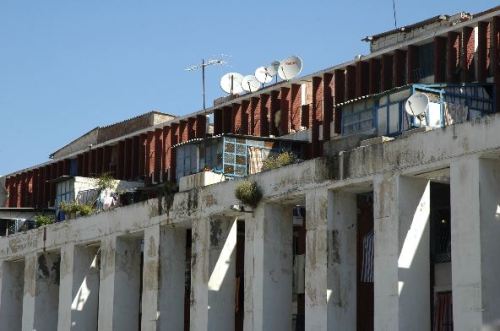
(105, 181)
(279, 160)
(248, 192)
(85, 210)
(75, 208)
(44, 220)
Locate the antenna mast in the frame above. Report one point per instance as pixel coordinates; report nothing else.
(202, 66)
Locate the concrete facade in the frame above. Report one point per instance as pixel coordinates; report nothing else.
(65, 268)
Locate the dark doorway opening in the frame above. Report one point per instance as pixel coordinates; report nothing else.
(364, 263)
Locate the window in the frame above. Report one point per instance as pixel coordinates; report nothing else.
(425, 61)
(358, 117)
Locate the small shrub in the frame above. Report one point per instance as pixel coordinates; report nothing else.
(277, 161)
(41, 220)
(85, 210)
(248, 193)
(73, 208)
(105, 181)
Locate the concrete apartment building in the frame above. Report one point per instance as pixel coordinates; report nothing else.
(390, 222)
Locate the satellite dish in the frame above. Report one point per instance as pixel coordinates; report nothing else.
(231, 83)
(290, 67)
(417, 104)
(272, 69)
(250, 83)
(263, 75)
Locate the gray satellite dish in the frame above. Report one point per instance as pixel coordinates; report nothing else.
(263, 75)
(272, 69)
(231, 83)
(417, 104)
(250, 83)
(290, 67)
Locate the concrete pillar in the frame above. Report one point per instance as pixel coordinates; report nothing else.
(213, 275)
(11, 295)
(172, 278)
(30, 267)
(79, 290)
(475, 197)
(386, 232)
(316, 265)
(119, 284)
(414, 254)
(342, 232)
(150, 313)
(268, 268)
(199, 274)
(401, 261)
(41, 292)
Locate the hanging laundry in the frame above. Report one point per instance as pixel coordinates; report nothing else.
(367, 261)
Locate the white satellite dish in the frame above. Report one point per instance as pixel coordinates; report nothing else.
(231, 83)
(263, 75)
(250, 83)
(272, 69)
(290, 67)
(417, 104)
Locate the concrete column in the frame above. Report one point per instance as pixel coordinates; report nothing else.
(150, 313)
(119, 284)
(342, 236)
(199, 274)
(401, 263)
(386, 232)
(475, 197)
(414, 254)
(11, 295)
(172, 278)
(30, 267)
(222, 274)
(316, 265)
(268, 268)
(41, 292)
(213, 275)
(79, 291)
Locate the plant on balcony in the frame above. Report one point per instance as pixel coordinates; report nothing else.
(74, 209)
(248, 192)
(278, 161)
(42, 220)
(105, 181)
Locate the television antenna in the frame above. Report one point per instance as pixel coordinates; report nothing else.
(202, 66)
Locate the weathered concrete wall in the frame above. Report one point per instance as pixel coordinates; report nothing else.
(316, 279)
(342, 261)
(420, 151)
(79, 289)
(11, 295)
(172, 277)
(120, 282)
(400, 215)
(268, 268)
